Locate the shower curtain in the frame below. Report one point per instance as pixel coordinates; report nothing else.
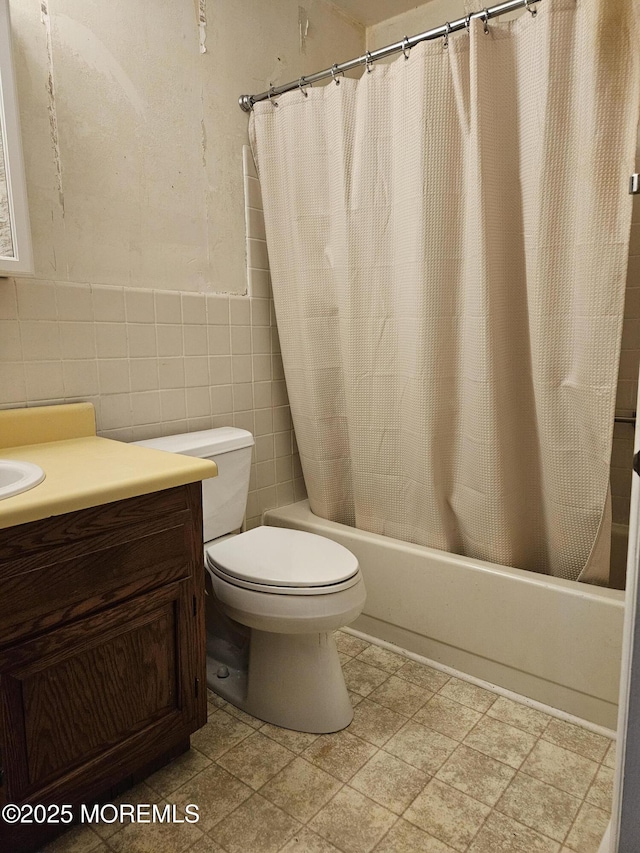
(448, 241)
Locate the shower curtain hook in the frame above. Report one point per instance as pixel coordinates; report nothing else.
(406, 50)
(485, 14)
(336, 70)
(369, 61)
(527, 5)
(271, 94)
(467, 22)
(447, 30)
(301, 84)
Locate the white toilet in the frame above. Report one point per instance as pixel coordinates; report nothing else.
(275, 597)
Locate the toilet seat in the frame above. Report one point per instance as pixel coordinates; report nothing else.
(283, 562)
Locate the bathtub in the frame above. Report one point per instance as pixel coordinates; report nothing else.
(555, 641)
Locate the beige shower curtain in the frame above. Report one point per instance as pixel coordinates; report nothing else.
(448, 241)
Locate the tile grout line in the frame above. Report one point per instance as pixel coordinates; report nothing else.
(486, 685)
(538, 737)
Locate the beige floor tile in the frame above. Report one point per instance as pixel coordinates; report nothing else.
(501, 741)
(400, 696)
(600, 793)
(468, 694)
(257, 826)
(520, 716)
(585, 743)
(155, 838)
(295, 741)
(389, 782)
(254, 722)
(423, 675)
(421, 747)
(561, 768)
(448, 814)
(355, 698)
(206, 845)
(307, 841)
(539, 806)
(588, 829)
(349, 644)
(77, 840)
(140, 794)
(215, 792)
(256, 759)
(375, 724)
(502, 834)
(404, 837)
(475, 774)
(344, 658)
(610, 758)
(222, 732)
(447, 717)
(301, 789)
(214, 699)
(362, 678)
(352, 822)
(341, 754)
(382, 658)
(177, 772)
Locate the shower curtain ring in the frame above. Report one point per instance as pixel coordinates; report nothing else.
(527, 6)
(485, 14)
(447, 30)
(369, 61)
(467, 22)
(336, 70)
(301, 84)
(270, 96)
(406, 50)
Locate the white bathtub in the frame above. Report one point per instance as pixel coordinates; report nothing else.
(555, 641)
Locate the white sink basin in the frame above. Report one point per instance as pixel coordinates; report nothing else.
(16, 477)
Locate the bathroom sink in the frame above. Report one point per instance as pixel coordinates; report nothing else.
(16, 477)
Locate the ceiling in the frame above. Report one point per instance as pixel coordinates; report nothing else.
(370, 12)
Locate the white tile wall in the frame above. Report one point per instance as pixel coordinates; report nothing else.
(155, 363)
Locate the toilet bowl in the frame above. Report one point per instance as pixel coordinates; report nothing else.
(274, 598)
(292, 589)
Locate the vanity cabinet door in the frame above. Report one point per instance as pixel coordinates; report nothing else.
(85, 704)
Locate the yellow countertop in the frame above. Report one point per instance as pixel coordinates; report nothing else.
(81, 469)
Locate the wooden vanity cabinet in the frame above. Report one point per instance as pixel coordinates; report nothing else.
(102, 649)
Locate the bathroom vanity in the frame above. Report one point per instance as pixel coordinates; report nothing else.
(102, 648)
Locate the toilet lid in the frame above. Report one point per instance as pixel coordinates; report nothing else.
(277, 556)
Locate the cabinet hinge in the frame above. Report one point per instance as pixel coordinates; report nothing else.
(195, 606)
(197, 687)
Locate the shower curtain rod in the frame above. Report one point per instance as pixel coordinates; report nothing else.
(246, 102)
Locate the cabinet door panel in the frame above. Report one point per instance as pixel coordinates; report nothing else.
(71, 695)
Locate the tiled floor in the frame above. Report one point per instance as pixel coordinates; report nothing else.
(430, 764)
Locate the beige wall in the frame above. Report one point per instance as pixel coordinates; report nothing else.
(133, 137)
(133, 146)
(424, 17)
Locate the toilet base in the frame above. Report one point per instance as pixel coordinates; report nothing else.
(294, 681)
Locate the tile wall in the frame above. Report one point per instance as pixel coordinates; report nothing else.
(156, 363)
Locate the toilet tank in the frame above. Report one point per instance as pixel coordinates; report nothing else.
(224, 498)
